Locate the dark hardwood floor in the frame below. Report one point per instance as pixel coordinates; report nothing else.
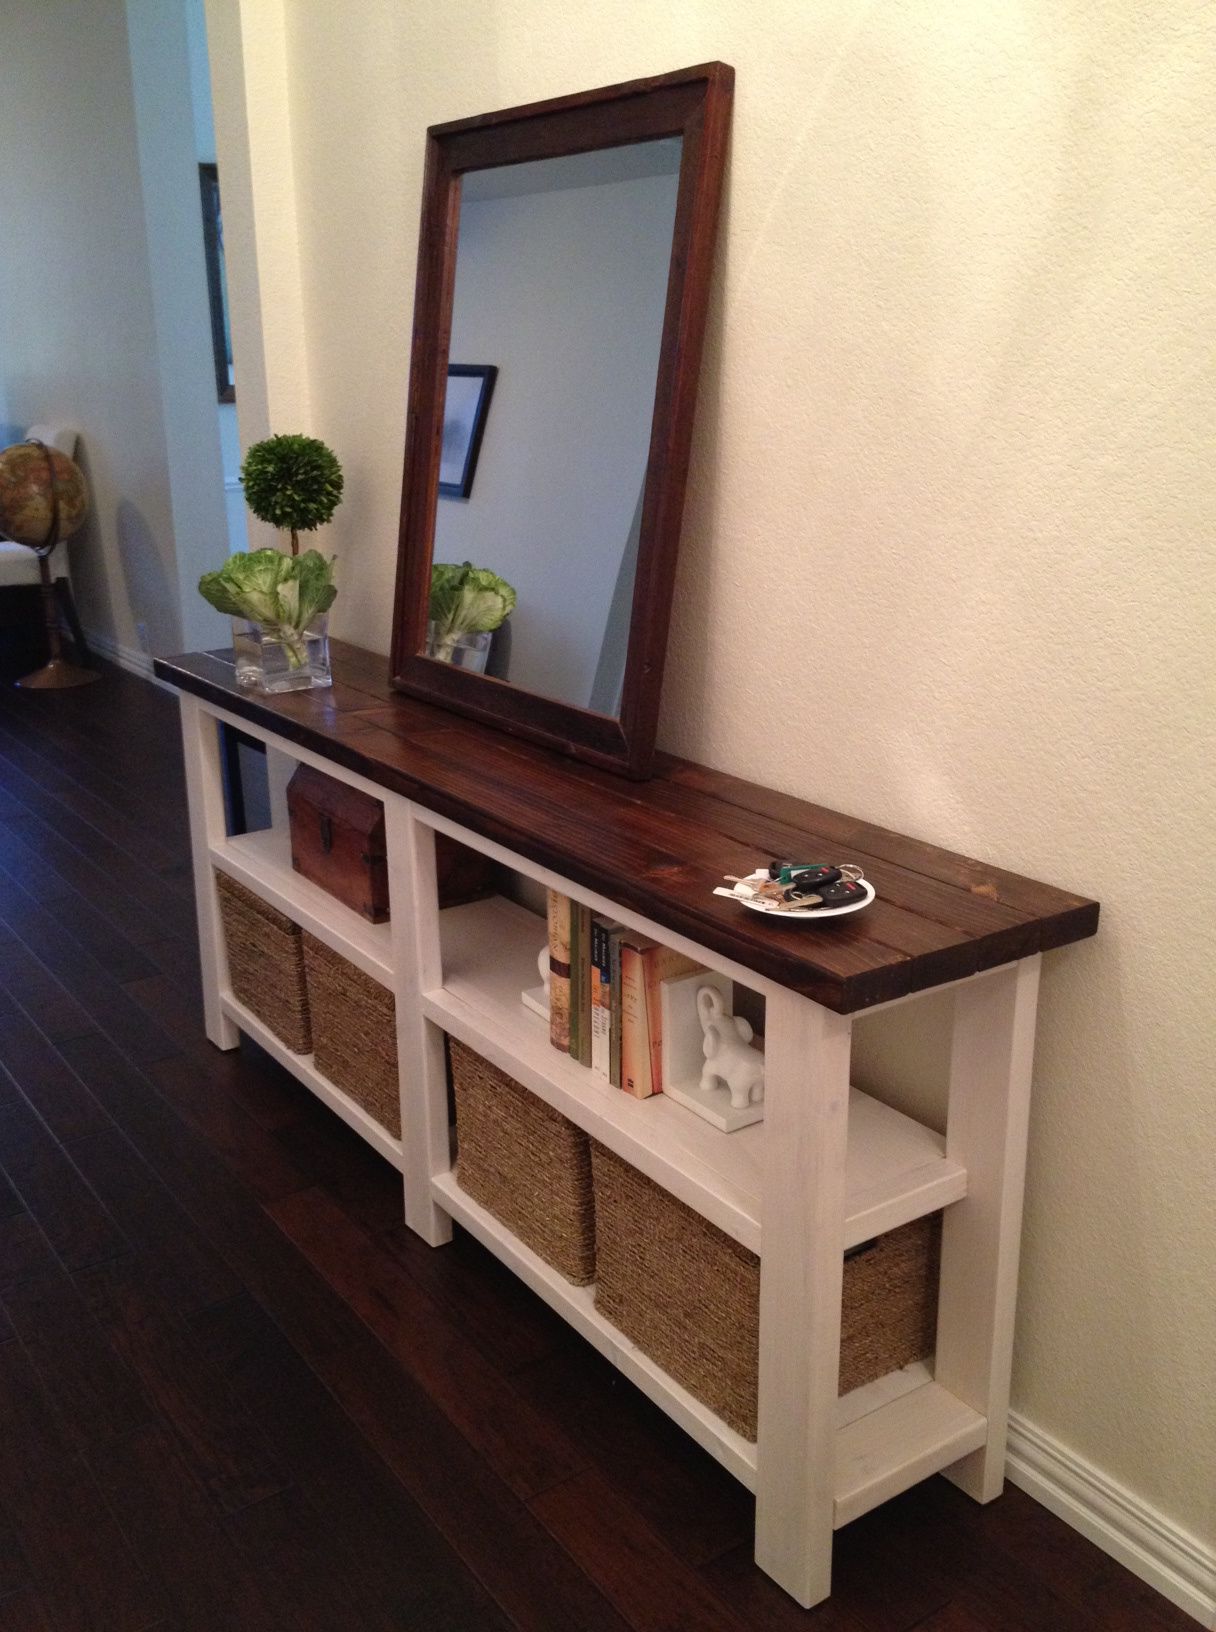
(236, 1394)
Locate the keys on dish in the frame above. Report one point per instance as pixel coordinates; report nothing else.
(800, 886)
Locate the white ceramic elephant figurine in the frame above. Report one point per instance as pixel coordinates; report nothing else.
(730, 1060)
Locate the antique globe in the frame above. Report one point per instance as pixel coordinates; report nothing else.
(43, 497)
(43, 500)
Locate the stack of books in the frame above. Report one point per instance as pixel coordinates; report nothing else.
(604, 1007)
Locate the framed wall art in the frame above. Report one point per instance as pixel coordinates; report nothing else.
(217, 284)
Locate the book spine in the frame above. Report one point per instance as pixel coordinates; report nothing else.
(614, 1007)
(661, 963)
(635, 1043)
(574, 1042)
(602, 996)
(599, 1000)
(583, 1056)
(559, 971)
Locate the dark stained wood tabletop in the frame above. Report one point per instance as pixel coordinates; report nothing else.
(660, 847)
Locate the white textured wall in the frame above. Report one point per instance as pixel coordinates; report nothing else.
(77, 326)
(959, 366)
(165, 122)
(247, 46)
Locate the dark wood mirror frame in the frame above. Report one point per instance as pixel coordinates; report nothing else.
(694, 104)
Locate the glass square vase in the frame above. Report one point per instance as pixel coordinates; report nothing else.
(468, 651)
(268, 660)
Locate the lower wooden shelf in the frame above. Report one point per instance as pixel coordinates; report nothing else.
(891, 1434)
(898, 1445)
(302, 1068)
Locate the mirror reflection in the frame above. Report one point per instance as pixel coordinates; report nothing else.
(557, 318)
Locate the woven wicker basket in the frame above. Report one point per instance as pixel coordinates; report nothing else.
(354, 1033)
(265, 963)
(688, 1294)
(525, 1163)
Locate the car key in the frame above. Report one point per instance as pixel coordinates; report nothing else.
(813, 872)
(805, 892)
(841, 894)
(814, 877)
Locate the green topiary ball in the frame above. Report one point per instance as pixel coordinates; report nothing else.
(292, 482)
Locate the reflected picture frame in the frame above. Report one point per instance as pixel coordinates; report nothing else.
(465, 409)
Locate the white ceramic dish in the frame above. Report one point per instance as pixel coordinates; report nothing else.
(808, 915)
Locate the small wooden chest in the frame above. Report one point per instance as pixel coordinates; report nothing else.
(337, 840)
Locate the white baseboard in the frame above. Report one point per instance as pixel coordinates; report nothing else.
(132, 658)
(1177, 1564)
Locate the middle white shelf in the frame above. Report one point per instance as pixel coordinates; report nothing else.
(898, 1169)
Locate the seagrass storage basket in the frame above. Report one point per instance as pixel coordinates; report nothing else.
(354, 1033)
(689, 1295)
(265, 963)
(525, 1163)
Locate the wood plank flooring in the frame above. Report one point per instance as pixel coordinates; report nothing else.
(236, 1394)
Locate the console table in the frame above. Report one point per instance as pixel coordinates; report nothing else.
(828, 1167)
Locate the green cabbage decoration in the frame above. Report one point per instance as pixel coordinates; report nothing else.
(465, 600)
(283, 593)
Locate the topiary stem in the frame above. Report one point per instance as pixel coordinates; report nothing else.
(295, 542)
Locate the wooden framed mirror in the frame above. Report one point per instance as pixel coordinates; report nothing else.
(565, 255)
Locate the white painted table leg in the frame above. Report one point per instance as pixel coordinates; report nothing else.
(806, 1104)
(421, 1065)
(205, 790)
(990, 1073)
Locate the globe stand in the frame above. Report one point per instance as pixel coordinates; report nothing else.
(58, 674)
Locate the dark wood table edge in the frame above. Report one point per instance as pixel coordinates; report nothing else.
(903, 976)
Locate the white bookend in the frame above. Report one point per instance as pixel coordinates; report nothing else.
(683, 1052)
(536, 998)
